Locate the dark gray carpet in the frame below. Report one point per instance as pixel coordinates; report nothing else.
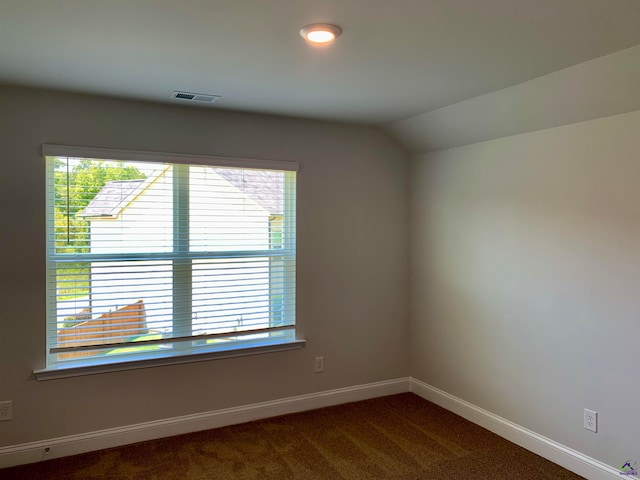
(400, 437)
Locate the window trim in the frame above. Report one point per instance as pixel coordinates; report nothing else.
(91, 368)
(50, 150)
(234, 350)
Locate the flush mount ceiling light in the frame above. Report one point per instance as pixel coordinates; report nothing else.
(320, 33)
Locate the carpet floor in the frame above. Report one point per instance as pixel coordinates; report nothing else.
(400, 437)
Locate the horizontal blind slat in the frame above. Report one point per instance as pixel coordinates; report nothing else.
(132, 259)
(51, 150)
(168, 340)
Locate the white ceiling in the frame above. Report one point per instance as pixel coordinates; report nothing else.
(395, 59)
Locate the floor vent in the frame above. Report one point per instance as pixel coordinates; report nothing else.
(195, 97)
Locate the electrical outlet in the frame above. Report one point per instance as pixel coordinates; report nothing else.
(591, 420)
(6, 411)
(319, 364)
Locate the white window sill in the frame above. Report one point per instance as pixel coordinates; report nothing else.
(76, 370)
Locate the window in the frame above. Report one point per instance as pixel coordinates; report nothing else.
(153, 256)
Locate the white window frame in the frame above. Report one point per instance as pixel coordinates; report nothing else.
(175, 356)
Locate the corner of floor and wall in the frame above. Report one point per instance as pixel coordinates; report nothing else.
(517, 296)
(525, 261)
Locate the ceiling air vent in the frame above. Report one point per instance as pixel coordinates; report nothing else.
(195, 97)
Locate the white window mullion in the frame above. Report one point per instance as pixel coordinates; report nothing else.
(51, 283)
(182, 266)
(155, 259)
(289, 244)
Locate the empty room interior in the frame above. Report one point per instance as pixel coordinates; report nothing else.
(453, 211)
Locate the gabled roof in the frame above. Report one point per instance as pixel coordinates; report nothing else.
(262, 186)
(112, 198)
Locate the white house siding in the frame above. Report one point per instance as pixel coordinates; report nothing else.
(217, 216)
(143, 226)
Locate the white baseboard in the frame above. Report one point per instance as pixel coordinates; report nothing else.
(114, 437)
(557, 453)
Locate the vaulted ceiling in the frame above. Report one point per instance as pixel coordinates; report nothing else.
(395, 59)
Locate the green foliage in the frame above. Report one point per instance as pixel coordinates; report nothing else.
(74, 190)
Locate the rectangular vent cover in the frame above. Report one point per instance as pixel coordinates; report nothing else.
(195, 97)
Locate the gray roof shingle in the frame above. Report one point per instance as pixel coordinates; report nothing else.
(262, 186)
(112, 198)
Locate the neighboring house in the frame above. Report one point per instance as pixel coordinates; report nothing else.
(124, 212)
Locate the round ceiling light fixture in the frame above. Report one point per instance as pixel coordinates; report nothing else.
(320, 33)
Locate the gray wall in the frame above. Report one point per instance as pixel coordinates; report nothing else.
(525, 267)
(525, 279)
(352, 261)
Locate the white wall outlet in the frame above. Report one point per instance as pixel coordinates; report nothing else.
(6, 411)
(319, 364)
(591, 420)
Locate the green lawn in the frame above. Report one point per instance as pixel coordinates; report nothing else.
(154, 346)
(141, 348)
(73, 282)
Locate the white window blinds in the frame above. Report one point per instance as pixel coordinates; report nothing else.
(150, 258)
